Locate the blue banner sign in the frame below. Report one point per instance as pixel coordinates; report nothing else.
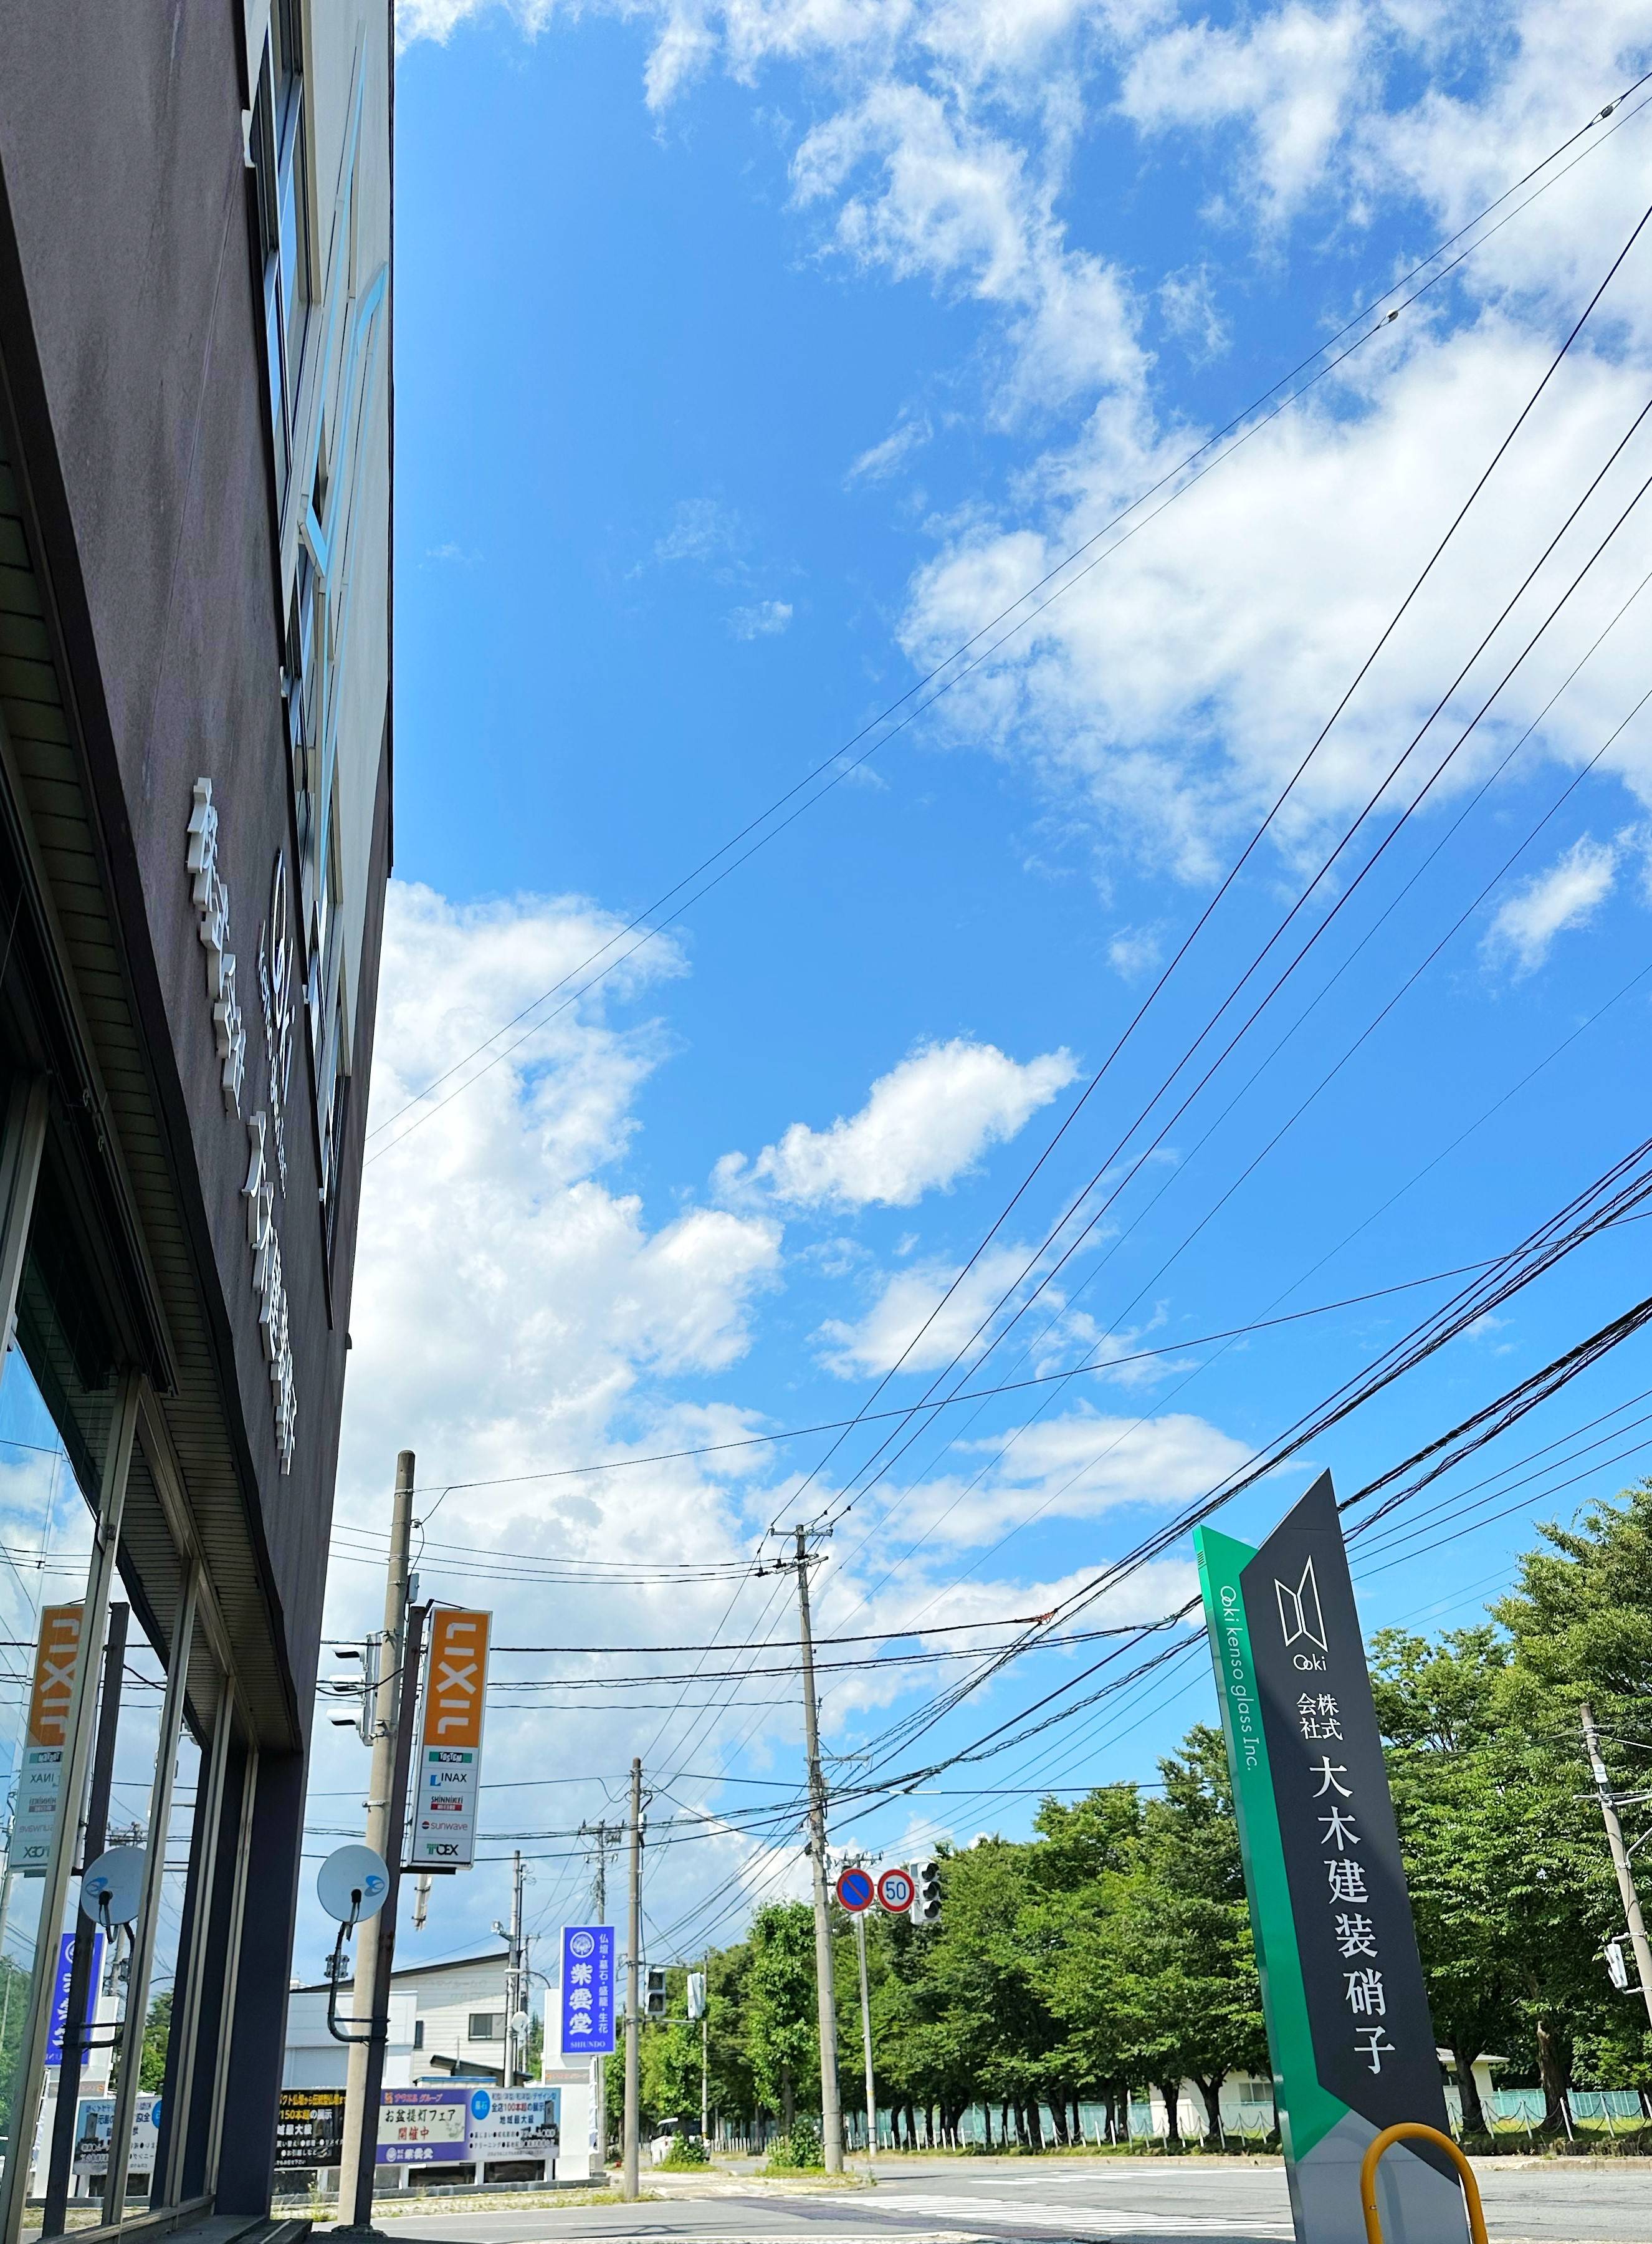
(588, 1990)
(59, 2017)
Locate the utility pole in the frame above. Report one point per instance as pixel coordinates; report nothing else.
(831, 2107)
(706, 2046)
(1638, 1940)
(866, 2039)
(605, 1835)
(515, 2059)
(628, 2188)
(360, 2148)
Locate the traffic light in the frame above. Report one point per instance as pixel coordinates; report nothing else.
(926, 1906)
(655, 1990)
(697, 1994)
(1617, 1965)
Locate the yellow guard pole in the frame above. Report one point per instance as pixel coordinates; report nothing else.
(1398, 2134)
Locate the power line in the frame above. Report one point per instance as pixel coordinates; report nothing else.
(1232, 874)
(887, 715)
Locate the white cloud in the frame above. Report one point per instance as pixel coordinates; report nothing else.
(1188, 302)
(1291, 73)
(906, 1301)
(1568, 894)
(880, 461)
(923, 1125)
(1165, 701)
(1080, 1466)
(702, 530)
(764, 621)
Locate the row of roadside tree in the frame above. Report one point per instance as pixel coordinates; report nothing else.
(1112, 1952)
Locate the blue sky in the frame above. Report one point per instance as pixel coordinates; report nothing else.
(749, 358)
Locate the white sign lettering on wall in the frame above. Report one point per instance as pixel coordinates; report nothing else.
(275, 989)
(212, 901)
(211, 894)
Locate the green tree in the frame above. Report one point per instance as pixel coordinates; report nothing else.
(782, 2043)
(158, 2027)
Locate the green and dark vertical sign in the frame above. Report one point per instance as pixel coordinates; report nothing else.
(1351, 2042)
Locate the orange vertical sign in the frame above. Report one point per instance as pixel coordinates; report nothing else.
(454, 1695)
(56, 1657)
(46, 1737)
(444, 1813)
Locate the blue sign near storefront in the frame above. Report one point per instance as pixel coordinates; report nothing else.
(588, 1990)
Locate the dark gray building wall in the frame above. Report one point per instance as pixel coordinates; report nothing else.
(130, 333)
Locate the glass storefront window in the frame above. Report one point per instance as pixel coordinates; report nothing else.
(45, 1544)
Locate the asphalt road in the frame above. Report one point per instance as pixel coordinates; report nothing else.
(980, 2200)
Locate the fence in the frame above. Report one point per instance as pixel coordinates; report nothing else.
(1587, 2111)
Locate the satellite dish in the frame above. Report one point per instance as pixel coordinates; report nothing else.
(351, 1885)
(112, 1887)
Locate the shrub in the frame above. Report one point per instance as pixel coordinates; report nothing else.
(798, 2151)
(687, 2151)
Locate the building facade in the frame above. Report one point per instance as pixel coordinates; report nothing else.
(195, 808)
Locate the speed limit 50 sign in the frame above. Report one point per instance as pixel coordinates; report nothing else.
(896, 1891)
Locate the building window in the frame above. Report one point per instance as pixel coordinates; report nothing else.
(486, 2025)
(276, 148)
(418, 2033)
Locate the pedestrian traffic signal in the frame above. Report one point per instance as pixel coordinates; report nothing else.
(1617, 1965)
(656, 1992)
(697, 1994)
(925, 1907)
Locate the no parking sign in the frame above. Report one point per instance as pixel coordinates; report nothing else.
(854, 1891)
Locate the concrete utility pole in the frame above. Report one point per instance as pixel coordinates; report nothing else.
(830, 2105)
(633, 2085)
(386, 1712)
(515, 2059)
(1638, 1940)
(706, 2046)
(866, 2038)
(605, 1835)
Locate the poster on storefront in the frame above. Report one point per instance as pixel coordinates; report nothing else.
(95, 2119)
(588, 1990)
(515, 2123)
(423, 2126)
(1349, 2030)
(58, 2016)
(444, 1814)
(309, 2127)
(45, 1738)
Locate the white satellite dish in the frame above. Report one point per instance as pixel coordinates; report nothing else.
(351, 1885)
(112, 1887)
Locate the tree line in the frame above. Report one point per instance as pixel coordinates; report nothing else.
(1112, 1952)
